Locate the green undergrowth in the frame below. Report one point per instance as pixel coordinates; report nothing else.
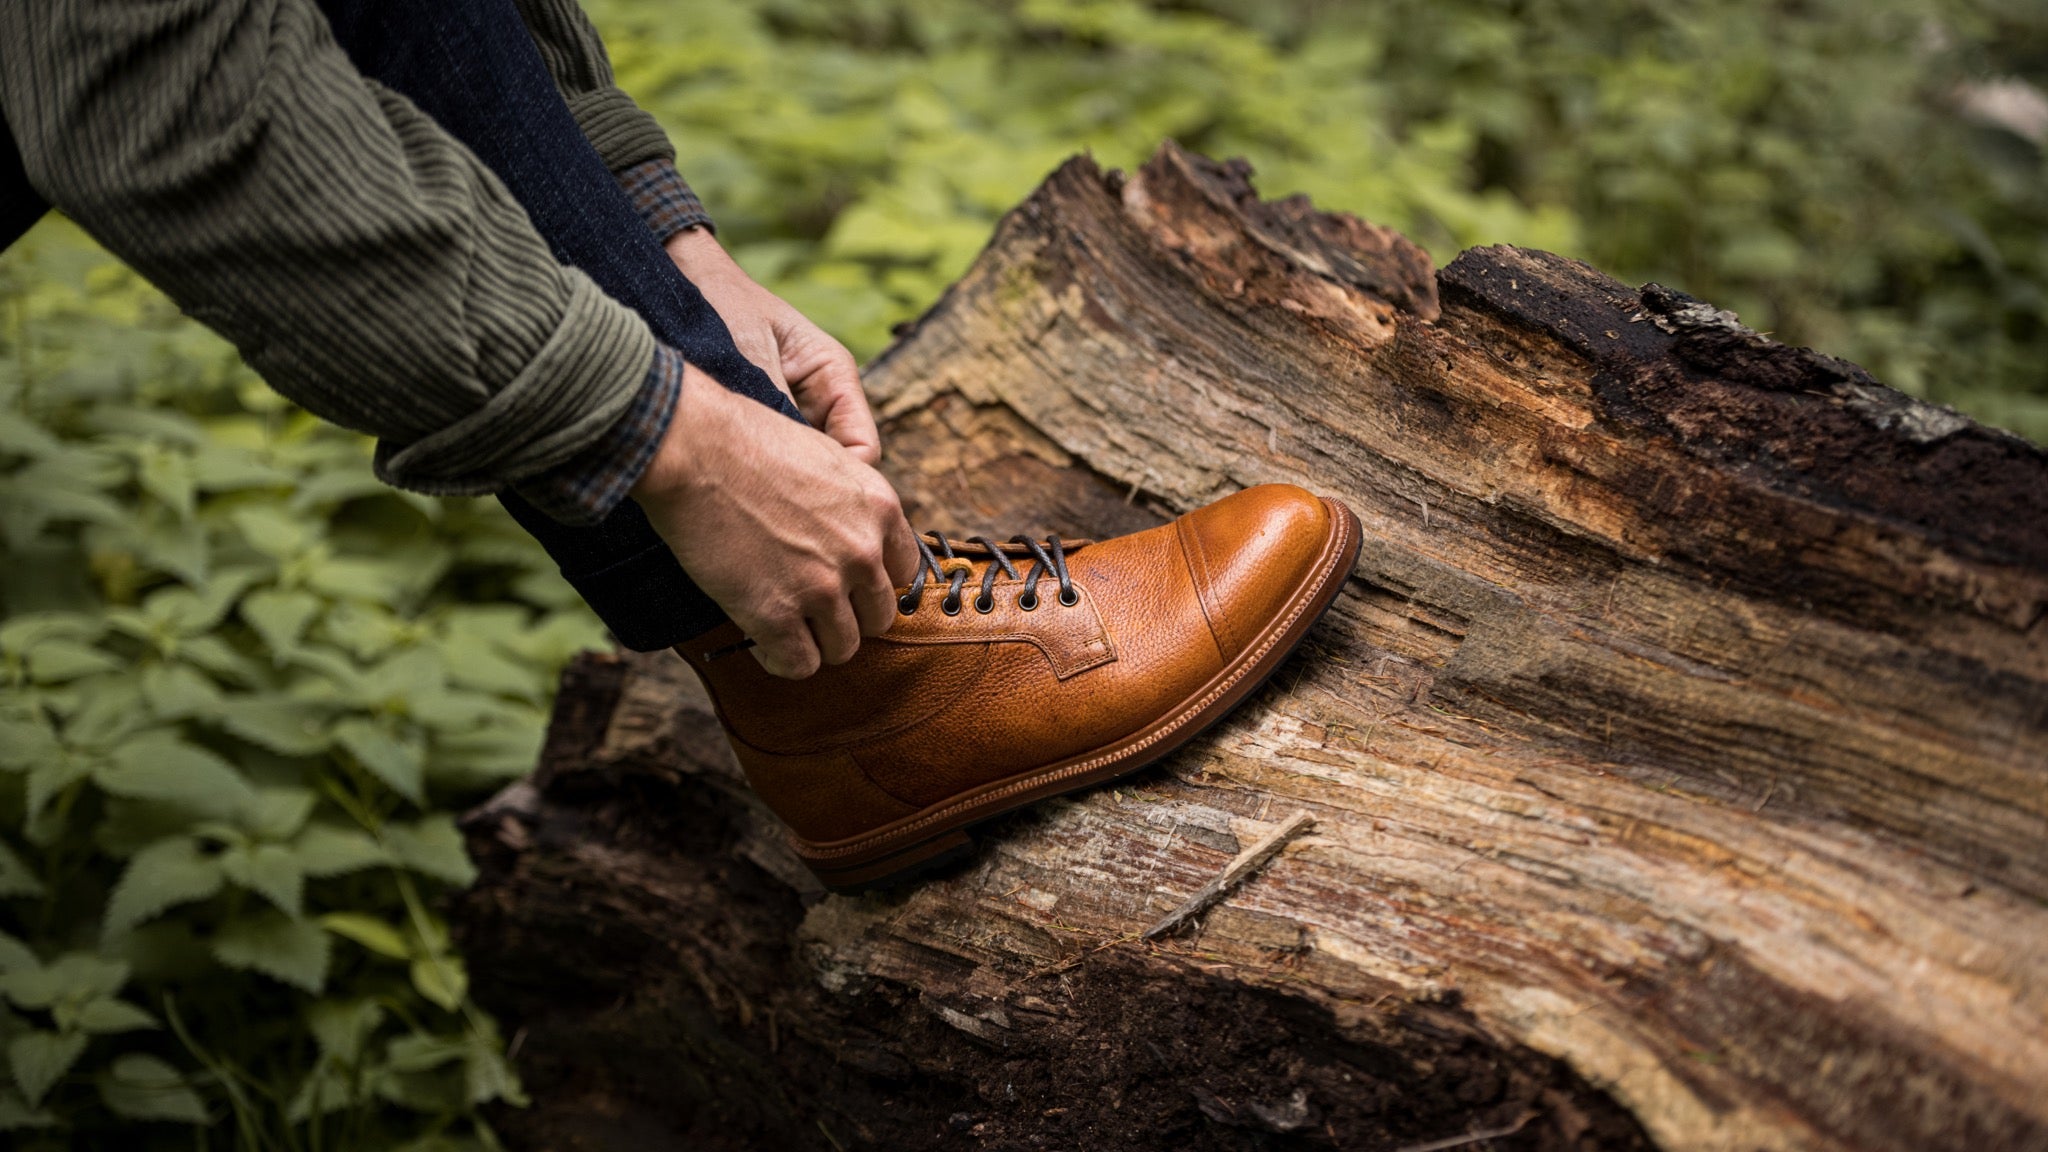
(244, 689)
(1816, 167)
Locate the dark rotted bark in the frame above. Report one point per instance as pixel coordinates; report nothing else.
(1677, 755)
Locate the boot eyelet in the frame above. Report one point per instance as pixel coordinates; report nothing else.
(905, 605)
(1069, 597)
(1028, 601)
(984, 604)
(950, 606)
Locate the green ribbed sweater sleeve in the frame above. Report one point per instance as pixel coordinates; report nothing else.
(362, 260)
(621, 131)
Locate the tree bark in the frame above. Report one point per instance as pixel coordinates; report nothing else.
(1677, 756)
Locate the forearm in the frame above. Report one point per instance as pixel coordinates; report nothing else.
(362, 260)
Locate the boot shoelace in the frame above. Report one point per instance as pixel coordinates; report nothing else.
(1046, 556)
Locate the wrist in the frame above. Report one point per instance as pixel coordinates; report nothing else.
(697, 250)
(678, 456)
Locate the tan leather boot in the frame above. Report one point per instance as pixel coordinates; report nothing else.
(1023, 670)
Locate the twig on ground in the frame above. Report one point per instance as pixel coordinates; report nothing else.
(1471, 1137)
(1246, 865)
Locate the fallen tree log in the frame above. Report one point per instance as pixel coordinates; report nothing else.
(1672, 773)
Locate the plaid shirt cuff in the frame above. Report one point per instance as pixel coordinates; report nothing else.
(586, 488)
(662, 199)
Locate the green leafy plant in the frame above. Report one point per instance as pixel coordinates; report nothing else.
(241, 686)
(1814, 166)
(244, 688)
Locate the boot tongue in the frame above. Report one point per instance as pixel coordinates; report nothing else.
(974, 551)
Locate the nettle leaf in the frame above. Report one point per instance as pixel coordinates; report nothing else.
(330, 850)
(40, 1059)
(327, 1088)
(419, 1052)
(328, 488)
(269, 869)
(146, 424)
(167, 475)
(394, 683)
(174, 547)
(293, 951)
(29, 629)
(165, 768)
(442, 979)
(280, 618)
(56, 501)
(15, 955)
(343, 1028)
(283, 724)
(177, 691)
(432, 847)
(435, 1093)
(74, 976)
(354, 578)
(398, 763)
(279, 813)
(367, 630)
(16, 877)
(450, 710)
(507, 748)
(226, 468)
(140, 1087)
(24, 437)
(368, 931)
(26, 739)
(109, 711)
(16, 1113)
(48, 779)
(167, 873)
(56, 661)
(488, 1075)
(475, 662)
(107, 1015)
(274, 532)
(167, 951)
(179, 611)
(218, 657)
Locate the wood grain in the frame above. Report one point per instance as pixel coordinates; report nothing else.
(1678, 751)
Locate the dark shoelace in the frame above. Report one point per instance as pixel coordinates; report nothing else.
(1048, 556)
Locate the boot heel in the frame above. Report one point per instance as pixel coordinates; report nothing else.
(848, 878)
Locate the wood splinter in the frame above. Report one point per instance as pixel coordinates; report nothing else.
(1243, 868)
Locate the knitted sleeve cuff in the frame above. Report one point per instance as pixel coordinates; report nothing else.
(584, 489)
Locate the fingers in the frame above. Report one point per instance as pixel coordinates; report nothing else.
(874, 600)
(899, 551)
(837, 632)
(784, 648)
(826, 383)
(844, 414)
(829, 632)
(757, 343)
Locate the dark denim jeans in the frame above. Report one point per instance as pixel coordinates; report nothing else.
(471, 66)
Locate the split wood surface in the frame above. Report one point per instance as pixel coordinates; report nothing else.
(1684, 723)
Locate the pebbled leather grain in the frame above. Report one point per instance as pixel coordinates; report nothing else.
(943, 705)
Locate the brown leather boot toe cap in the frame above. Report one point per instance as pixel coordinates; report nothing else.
(1250, 553)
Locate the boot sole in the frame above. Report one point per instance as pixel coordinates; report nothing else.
(937, 836)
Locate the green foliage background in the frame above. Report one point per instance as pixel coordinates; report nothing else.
(243, 688)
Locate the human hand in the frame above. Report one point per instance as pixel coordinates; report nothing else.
(801, 543)
(816, 370)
